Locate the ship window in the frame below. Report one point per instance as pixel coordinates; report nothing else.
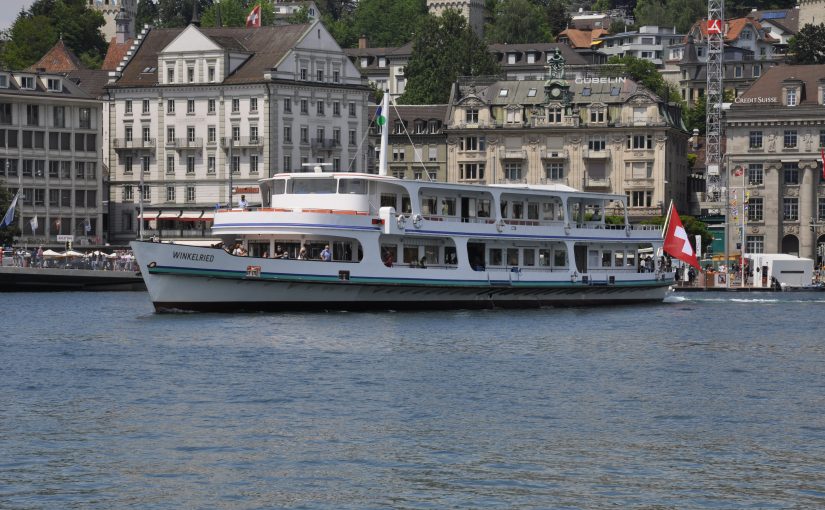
(607, 258)
(494, 257)
(545, 257)
(560, 258)
(428, 205)
(310, 186)
(512, 256)
(529, 257)
(279, 187)
(352, 187)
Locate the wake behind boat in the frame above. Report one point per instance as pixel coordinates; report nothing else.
(360, 241)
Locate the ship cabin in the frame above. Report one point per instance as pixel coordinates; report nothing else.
(437, 225)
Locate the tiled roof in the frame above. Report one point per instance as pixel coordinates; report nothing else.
(115, 54)
(570, 56)
(59, 59)
(770, 84)
(411, 113)
(531, 92)
(267, 46)
(582, 38)
(91, 81)
(733, 29)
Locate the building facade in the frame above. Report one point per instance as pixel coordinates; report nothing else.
(595, 134)
(775, 135)
(110, 10)
(50, 136)
(417, 144)
(199, 115)
(648, 43)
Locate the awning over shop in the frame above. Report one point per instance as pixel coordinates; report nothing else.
(173, 214)
(191, 216)
(149, 215)
(208, 216)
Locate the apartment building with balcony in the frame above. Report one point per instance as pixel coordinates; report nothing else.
(606, 135)
(202, 113)
(50, 137)
(648, 43)
(775, 133)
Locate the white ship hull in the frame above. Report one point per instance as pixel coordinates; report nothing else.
(207, 279)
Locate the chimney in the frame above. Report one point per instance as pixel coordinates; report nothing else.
(362, 42)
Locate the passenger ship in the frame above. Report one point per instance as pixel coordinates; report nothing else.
(400, 244)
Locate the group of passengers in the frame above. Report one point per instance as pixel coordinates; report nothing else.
(239, 250)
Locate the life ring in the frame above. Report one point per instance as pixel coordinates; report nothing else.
(401, 221)
(417, 221)
(500, 225)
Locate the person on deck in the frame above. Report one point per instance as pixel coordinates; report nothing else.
(242, 203)
(326, 255)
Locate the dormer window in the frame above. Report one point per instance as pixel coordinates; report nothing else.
(531, 93)
(503, 92)
(54, 84)
(365, 61)
(472, 115)
(4, 81)
(210, 73)
(791, 97)
(190, 74)
(382, 61)
(170, 74)
(531, 58)
(27, 82)
(320, 75)
(511, 58)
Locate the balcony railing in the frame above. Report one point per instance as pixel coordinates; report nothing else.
(137, 143)
(554, 154)
(597, 182)
(242, 141)
(325, 143)
(514, 154)
(596, 154)
(185, 143)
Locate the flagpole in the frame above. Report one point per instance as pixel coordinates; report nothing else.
(667, 218)
(140, 203)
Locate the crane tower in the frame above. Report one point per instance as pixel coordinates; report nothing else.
(714, 97)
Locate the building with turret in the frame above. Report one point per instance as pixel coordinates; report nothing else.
(110, 10)
(472, 10)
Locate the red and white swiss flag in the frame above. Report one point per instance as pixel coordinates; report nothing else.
(677, 243)
(254, 18)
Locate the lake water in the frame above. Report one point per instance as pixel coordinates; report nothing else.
(709, 400)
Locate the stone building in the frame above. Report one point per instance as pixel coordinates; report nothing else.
(472, 10)
(595, 134)
(200, 114)
(417, 145)
(775, 134)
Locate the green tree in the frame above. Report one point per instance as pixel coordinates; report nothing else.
(652, 12)
(234, 13)
(384, 22)
(444, 48)
(695, 116)
(642, 71)
(684, 13)
(602, 5)
(557, 13)
(517, 21)
(806, 46)
(35, 31)
(147, 14)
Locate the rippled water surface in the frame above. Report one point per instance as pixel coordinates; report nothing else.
(706, 401)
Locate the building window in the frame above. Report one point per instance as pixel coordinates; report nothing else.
(737, 71)
(303, 74)
(822, 138)
(170, 106)
(639, 198)
(236, 164)
(336, 136)
(210, 73)
(145, 164)
(597, 143)
(304, 134)
(170, 135)
(127, 165)
(352, 109)
(253, 104)
(351, 137)
(146, 193)
(554, 171)
(27, 82)
(190, 106)
(170, 193)
(471, 171)
(637, 142)
(59, 116)
(236, 133)
(190, 165)
(757, 70)
(210, 164)
(210, 108)
(755, 174)
(472, 115)
(820, 208)
(336, 76)
(399, 154)
(336, 108)
(791, 173)
(236, 105)
(287, 105)
(128, 106)
(145, 106)
(253, 134)
(147, 135)
(190, 134)
(790, 94)
(755, 209)
(790, 139)
(211, 135)
(190, 194)
(170, 164)
(32, 115)
(190, 74)
(790, 209)
(554, 115)
(472, 143)
(319, 74)
(304, 106)
(287, 164)
(253, 164)
(320, 107)
(755, 244)
(512, 171)
(755, 140)
(127, 193)
(287, 134)
(170, 75)
(597, 115)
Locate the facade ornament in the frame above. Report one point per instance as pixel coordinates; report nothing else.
(792, 191)
(771, 142)
(754, 230)
(808, 140)
(790, 229)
